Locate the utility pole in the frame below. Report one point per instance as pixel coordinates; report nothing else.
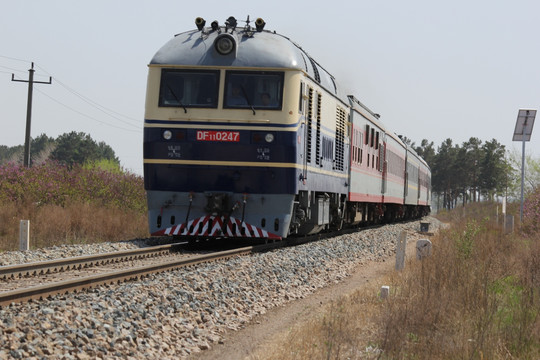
(31, 83)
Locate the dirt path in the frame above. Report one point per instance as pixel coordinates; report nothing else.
(263, 329)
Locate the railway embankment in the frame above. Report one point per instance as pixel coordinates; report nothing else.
(178, 313)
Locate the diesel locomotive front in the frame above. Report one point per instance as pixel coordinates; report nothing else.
(246, 135)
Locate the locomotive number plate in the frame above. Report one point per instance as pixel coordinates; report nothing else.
(209, 135)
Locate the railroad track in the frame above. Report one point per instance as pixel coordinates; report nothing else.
(37, 292)
(79, 262)
(80, 283)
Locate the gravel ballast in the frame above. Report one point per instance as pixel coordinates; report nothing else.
(174, 314)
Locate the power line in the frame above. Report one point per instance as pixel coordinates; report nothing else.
(87, 116)
(95, 104)
(6, 72)
(109, 112)
(12, 58)
(12, 69)
(100, 107)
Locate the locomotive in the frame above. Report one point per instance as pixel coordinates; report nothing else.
(247, 136)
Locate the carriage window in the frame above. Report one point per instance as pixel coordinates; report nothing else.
(367, 134)
(250, 89)
(188, 88)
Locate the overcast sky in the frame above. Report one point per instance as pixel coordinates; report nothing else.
(433, 70)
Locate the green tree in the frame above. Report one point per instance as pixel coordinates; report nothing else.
(105, 152)
(41, 149)
(427, 151)
(472, 159)
(532, 173)
(13, 154)
(79, 148)
(494, 169)
(444, 176)
(460, 165)
(406, 140)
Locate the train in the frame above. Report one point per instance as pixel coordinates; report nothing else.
(247, 136)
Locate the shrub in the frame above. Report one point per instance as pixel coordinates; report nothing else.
(55, 184)
(81, 204)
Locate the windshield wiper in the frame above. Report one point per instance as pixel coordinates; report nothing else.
(249, 102)
(177, 99)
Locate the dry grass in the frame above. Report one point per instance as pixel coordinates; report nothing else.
(341, 331)
(476, 297)
(73, 223)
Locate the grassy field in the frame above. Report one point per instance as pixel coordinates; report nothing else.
(70, 205)
(476, 297)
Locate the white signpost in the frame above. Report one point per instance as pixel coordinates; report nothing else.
(522, 132)
(24, 235)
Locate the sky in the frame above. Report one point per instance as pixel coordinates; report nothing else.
(433, 70)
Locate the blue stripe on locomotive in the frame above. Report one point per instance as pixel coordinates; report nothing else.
(233, 166)
(171, 175)
(237, 179)
(281, 150)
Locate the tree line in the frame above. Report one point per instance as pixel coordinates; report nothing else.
(460, 173)
(74, 148)
(467, 172)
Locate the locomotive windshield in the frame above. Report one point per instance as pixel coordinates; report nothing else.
(188, 88)
(253, 89)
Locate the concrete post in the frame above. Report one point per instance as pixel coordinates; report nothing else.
(385, 291)
(423, 248)
(400, 251)
(508, 224)
(24, 235)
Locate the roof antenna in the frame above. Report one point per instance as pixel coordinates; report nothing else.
(247, 27)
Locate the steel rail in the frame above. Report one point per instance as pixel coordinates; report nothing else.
(78, 262)
(63, 287)
(83, 283)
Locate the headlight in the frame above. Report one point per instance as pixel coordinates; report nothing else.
(167, 134)
(224, 44)
(269, 137)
